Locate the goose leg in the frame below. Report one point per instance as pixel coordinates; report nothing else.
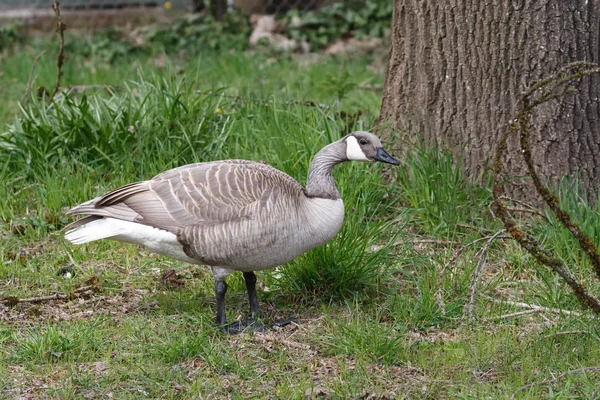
(220, 290)
(248, 323)
(250, 278)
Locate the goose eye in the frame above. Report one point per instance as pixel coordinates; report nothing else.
(363, 141)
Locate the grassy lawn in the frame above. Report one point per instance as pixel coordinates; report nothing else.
(379, 310)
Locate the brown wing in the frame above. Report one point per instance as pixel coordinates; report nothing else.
(196, 194)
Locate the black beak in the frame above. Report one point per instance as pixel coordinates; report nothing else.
(383, 156)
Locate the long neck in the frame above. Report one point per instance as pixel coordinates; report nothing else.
(320, 181)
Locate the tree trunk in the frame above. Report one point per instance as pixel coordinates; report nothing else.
(456, 71)
(218, 8)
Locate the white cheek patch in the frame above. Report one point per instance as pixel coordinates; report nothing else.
(353, 150)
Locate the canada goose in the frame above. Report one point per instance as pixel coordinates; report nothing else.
(232, 215)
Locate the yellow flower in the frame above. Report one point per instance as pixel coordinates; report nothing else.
(219, 111)
(168, 5)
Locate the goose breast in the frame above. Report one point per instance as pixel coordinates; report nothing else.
(275, 236)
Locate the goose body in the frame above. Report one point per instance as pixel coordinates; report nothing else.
(230, 215)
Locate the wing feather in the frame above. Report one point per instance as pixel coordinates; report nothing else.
(201, 194)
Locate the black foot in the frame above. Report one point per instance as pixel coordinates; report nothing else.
(243, 325)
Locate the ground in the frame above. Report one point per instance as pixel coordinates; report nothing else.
(379, 311)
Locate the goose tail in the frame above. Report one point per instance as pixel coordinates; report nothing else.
(93, 228)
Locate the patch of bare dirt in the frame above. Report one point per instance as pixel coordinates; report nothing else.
(79, 308)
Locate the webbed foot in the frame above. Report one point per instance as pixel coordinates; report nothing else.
(244, 325)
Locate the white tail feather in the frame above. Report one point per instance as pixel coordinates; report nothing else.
(99, 229)
(157, 240)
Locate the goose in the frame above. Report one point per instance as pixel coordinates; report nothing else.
(230, 215)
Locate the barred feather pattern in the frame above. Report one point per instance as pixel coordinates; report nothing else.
(236, 214)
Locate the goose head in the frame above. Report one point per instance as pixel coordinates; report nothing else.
(365, 146)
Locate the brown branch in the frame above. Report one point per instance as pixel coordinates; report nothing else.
(92, 285)
(527, 241)
(60, 58)
(558, 378)
(559, 86)
(12, 301)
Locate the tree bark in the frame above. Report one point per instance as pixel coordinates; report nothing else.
(218, 8)
(457, 69)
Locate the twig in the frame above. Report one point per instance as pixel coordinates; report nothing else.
(440, 292)
(565, 333)
(558, 378)
(528, 207)
(60, 58)
(533, 306)
(466, 246)
(512, 315)
(468, 310)
(31, 79)
(12, 301)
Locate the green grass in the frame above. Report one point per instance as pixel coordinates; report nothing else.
(379, 308)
